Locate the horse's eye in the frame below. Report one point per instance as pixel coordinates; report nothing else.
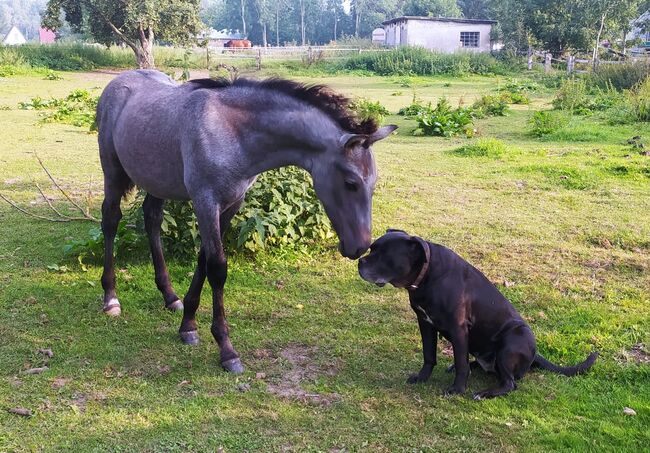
(351, 186)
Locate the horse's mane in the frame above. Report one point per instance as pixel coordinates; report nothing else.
(336, 105)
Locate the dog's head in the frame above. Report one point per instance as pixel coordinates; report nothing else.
(396, 258)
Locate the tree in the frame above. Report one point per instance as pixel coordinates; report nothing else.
(475, 9)
(135, 23)
(433, 8)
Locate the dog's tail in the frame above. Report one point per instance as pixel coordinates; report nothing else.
(566, 370)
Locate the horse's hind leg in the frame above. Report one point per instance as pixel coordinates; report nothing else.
(153, 217)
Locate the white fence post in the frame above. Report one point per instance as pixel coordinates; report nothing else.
(530, 59)
(547, 62)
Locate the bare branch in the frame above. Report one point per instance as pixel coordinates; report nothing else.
(31, 214)
(65, 194)
(47, 200)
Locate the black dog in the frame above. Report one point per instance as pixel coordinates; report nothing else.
(451, 297)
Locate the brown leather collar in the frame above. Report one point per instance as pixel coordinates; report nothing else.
(425, 267)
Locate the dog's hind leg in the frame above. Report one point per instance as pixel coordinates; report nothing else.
(506, 362)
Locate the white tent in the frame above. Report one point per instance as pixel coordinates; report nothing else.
(14, 37)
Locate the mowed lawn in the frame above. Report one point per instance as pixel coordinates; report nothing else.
(561, 225)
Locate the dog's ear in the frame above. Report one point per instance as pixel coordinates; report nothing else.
(423, 244)
(393, 230)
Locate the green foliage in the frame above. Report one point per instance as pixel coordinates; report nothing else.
(443, 121)
(640, 101)
(281, 213)
(369, 110)
(516, 92)
(78, 108)
(419, 61)
(281, 210)
(51, 75)
(546, 122)
(575, 96)
(620, 76)
(414, 109)
(489, 105)
(484, 147)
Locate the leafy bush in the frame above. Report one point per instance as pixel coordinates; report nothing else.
(78, 108)
(419, 61)
(619, 76)
(281, 212)
(545, 122)
(367, 109)
(443, 121)
(573, 96)
(516, 86)
(414, 109)
(484, 147)
(489, 105)
(639, 98)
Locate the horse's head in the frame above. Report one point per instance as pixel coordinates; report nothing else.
(345, 183)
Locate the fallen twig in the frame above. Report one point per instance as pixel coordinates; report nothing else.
(61, 217)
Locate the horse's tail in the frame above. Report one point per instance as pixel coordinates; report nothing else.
(566, 370)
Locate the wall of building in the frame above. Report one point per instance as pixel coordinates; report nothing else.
(440, 36)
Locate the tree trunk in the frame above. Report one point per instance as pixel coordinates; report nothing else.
(264, 43)
(302, 22)
(335, 24)
(144, 49)
(600, 31)
(357, 22)
(243, 18)
(624, 42)
(277, 23)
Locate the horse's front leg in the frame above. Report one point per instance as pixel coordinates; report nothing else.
(216, 270)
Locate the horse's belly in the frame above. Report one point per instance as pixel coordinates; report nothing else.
(158, 174)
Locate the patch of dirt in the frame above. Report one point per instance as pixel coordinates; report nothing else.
(639, 353)
(60, 382)
(301, 369)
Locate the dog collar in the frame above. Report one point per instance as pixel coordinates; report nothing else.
(425, 266)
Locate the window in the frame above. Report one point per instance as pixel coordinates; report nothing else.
(469, 38)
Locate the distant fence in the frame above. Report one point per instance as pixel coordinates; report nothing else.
(307, 54)
(572, 64)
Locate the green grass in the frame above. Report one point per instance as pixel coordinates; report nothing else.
(566, 221)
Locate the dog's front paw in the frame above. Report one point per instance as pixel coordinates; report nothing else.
(454, 390)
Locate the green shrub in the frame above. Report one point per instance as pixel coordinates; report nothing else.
(369, 110)
(517, 86)
(619, 76)
(573, 96)
(639, 98)
(489, 105)
(414, 109)
(545, 122)
(407, 61)
(484, 147)
(443, 121)
(78, 108)
(281, 212)
(514, 98)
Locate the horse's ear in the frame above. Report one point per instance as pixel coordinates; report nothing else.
(381, 133)
(348, 141)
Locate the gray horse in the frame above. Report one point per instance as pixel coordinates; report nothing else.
(207, 141)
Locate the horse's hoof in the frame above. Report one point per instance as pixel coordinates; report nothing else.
(233, 366)
(177, 305)
(190, 337)
(112, 308)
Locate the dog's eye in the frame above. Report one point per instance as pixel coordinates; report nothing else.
(351, 186)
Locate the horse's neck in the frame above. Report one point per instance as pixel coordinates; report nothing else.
(299, 138)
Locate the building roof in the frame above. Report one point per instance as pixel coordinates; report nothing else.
(14, 37)
(440, 19)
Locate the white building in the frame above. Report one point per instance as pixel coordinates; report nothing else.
(438, 33)
(638, 34)
(14, 37)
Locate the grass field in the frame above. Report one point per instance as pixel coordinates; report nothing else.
(562, 225)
